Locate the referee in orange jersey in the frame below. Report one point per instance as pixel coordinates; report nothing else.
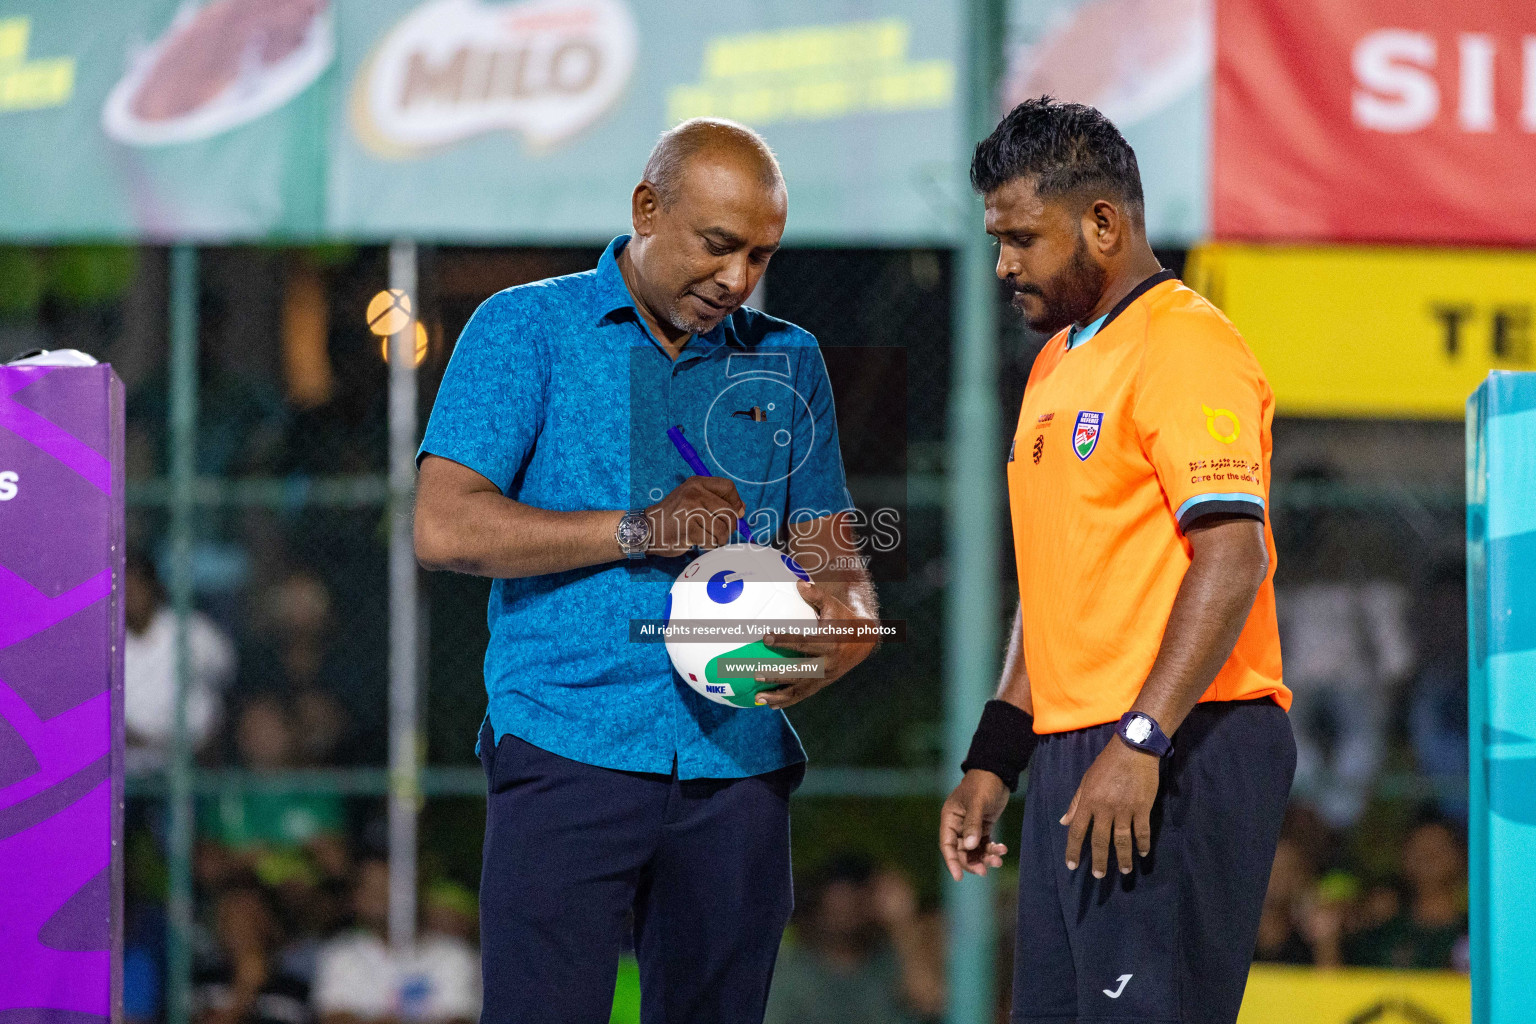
(1142, 683)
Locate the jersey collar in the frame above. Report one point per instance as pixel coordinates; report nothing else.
(1077, 337)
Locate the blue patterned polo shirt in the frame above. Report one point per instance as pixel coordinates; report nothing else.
(558, 394)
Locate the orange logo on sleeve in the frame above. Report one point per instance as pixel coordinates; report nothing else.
(1212, 418)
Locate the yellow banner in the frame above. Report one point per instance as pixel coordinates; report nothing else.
(1374, 331)
(1304, 995)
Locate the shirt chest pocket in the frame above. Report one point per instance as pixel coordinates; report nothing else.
(758, 429)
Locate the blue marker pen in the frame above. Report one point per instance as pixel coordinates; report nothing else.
(696, 464)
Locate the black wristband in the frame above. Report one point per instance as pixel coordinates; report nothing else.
(1003, 742)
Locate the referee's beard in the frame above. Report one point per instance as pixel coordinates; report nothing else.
(1066, 297)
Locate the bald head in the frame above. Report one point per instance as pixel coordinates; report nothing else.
(725, 141)
(707, 217)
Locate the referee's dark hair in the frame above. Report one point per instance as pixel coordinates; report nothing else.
(1069, 148)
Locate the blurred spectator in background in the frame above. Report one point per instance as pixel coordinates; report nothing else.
(149, 670)
(1437, 708)
(242, 982)
(1318, 843)
(1284, 935)
(1346, 646)
(360, 980)
(295, 657)
(1326, 910)
(1430, 931)
(450, 911)
(1308, 912)
(251, 825)
(312, 895)
(862, 954)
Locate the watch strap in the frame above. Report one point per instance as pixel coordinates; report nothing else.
(1140, 731)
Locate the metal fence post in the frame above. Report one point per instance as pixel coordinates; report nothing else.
(404, 740)
(184, 329)
(972, 631)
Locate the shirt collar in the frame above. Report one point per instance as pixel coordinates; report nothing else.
(613, 296)
(1076, 337)
(612, 293)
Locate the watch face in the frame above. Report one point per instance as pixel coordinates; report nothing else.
(1138, 730)
(634, 531)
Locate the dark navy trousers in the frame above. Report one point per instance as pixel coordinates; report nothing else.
(571, 849)
(1171, 942)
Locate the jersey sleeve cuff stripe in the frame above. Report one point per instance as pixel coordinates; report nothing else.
(1232, 503)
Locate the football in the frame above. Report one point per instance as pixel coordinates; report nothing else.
(738, 583)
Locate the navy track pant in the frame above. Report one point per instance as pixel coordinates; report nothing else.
(571, 849)
(1171, 942)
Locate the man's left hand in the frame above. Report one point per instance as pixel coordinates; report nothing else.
(1115, 799)
(838, 655)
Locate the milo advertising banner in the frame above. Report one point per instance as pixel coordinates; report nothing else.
(458, 119)
(529, 120)
(533, 119)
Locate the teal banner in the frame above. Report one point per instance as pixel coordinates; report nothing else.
(1147, 65)
(530, 121)
(459, 120)
(1501, 563)
(153, 119)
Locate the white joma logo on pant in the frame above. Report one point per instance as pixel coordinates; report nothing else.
(1118, 988)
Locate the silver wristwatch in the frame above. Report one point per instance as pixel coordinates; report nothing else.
(633, 533)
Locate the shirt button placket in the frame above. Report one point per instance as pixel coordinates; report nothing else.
(675, 708)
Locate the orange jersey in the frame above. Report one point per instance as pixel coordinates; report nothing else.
(1123, 441)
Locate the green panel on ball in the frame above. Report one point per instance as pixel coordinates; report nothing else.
(744, 688)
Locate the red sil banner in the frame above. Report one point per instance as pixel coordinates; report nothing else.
(1375, 121)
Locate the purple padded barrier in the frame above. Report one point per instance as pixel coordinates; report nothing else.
(61, 688)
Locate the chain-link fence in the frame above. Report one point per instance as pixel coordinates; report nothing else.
(289, 565)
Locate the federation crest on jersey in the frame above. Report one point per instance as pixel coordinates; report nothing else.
(1085, 434)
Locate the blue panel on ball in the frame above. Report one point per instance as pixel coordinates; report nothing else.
(794, 567)
(725, 586)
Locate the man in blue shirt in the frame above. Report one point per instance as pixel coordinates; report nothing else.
(614, 787)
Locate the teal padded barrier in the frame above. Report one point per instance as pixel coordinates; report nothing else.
(1501, 589)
